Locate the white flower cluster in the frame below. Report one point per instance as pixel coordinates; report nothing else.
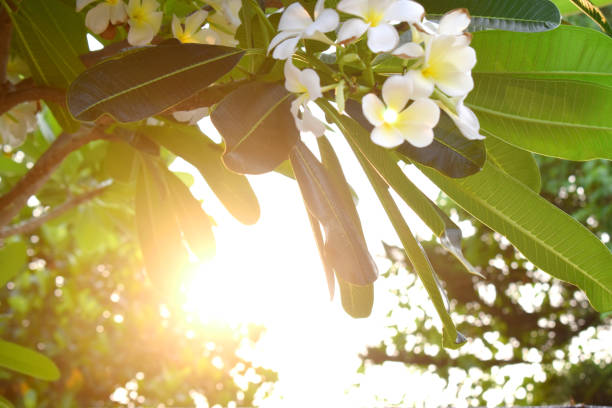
(438, 74)
(144, 20)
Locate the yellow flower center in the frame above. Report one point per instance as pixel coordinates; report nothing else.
(374, 17)
(185, 38)
(112, 2)
(139, 16)
(390, 116)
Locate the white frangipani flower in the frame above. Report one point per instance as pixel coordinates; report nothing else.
(393, 121)
(224, 22)
(189, 30)
(98, 18)
(296, 23)
(465, 119)
(144, 20)
(376, 18)
(17, 123)
(307, 84)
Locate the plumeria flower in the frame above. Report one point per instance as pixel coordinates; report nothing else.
(393, 121)
(98, 18)
(144, 20)
(465, 119)
(307, 84)
(190, 30)
(296, 23)
(17, 123)
(224, 22)
(376, 18)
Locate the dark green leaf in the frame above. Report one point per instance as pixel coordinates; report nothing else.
(548, 237)
(12, 258)
(510, 15)
(50, 36)
(515, 162)
(233, 190)
(357, 300)
(28, 362)
(140, 84)
(195, 224)
(257, 126)
(345, 249)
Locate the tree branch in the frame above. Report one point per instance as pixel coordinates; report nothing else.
(34, 223)
(12, 202)
(30, 92)
(5, 43)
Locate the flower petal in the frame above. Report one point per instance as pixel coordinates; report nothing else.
(355, 7)
(280, 37)
(454, 22)
(421, 111)
(319, 7)
(141, 34)
(98, 17)
(326, 22)
(286, 48)
(351, 30)
(373, 109)
(386, 136)
(195, 21)
(118, 13)
(418, 135)
(396, 91)
(421, 87)
(382, 38)
(292, 78)
(310, 123)
(404, 10)
(206, 36)
(409, 50)
(294, 18)
(310, 80)
(467, 122)
(177, 29)
(452, 81)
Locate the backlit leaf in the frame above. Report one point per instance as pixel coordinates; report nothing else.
(28, 362)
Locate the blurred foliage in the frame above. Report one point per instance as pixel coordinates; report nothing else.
(532, 336)
(83, 300)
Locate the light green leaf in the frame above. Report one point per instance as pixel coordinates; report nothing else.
(4, 403)
(357, 300)
(548, 237)
(569, 52)
(565, 119)
(28, 362)
(515, 162)
(511, 15)
(12, 258)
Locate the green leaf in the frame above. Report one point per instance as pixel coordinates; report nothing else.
(573, 53)
(548, 237)
(515, 162)
(4, 403)
(12, 258)
(120, 162)
(451, 338)
(588, 8)
(257, 126)
(140, 84)
(450, 152)
(560, 118)
(567, 7)
(345, 249)
(510, 15)
(28, 362)
(195, 224)
(357, 300)
(50, 37)
(10, 168)
(329, 271)
(158, 229)
(233, 190)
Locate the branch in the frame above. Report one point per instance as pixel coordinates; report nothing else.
(34, 223)
(28, 91)
(12, 202)
(5, 43)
